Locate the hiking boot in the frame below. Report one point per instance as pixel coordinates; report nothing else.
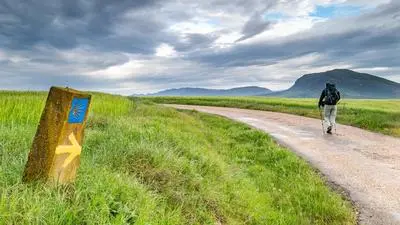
(329, 131)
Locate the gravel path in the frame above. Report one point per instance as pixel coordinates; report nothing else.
(365, 164)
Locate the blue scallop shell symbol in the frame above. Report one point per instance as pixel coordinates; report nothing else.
(78, 110)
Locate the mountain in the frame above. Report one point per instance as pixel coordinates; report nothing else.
(240, 91)
(351, 84)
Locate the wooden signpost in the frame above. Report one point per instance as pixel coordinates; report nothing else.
(56, 149)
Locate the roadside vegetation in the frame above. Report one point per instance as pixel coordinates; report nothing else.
(381, 116)
(146, 164)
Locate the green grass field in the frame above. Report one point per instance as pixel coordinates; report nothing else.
(146, 164)
(381, 116)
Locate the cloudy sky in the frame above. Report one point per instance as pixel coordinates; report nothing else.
(139, 46)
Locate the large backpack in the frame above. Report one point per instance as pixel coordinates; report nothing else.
(332, 95)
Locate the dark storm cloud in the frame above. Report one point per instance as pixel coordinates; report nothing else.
(29, 20)
(242, 6)
(344, 46)
(66, 24)
(73, 9)
(194, 41)
(254, 26)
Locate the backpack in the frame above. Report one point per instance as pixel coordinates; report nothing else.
(332, 95)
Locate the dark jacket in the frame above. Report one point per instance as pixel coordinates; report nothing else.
(329, 88)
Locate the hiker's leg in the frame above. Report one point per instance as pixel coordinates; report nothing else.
(332, 118)
(327, 114)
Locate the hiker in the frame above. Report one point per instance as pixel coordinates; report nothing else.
(330, 96)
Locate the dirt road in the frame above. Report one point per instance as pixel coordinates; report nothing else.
(365, 164)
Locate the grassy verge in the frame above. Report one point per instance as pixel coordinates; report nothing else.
(381, 116)
(146, 164)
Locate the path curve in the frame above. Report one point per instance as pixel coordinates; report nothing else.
(365, 164)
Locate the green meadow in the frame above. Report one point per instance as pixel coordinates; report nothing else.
(381, 116)
(142, 163)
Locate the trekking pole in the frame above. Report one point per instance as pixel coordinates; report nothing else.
(322, 121)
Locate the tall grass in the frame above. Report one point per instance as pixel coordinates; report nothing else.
(381, 116)
(146, 164)
(21, 107)
(25, 108)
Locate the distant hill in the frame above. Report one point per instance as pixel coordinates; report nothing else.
(351, 84)
(241, 91)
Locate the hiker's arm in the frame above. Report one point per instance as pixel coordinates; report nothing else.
(321, 98)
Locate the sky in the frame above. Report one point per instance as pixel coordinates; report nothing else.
(138, 46)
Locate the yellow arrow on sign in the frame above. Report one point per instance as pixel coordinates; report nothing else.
(74, 150)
